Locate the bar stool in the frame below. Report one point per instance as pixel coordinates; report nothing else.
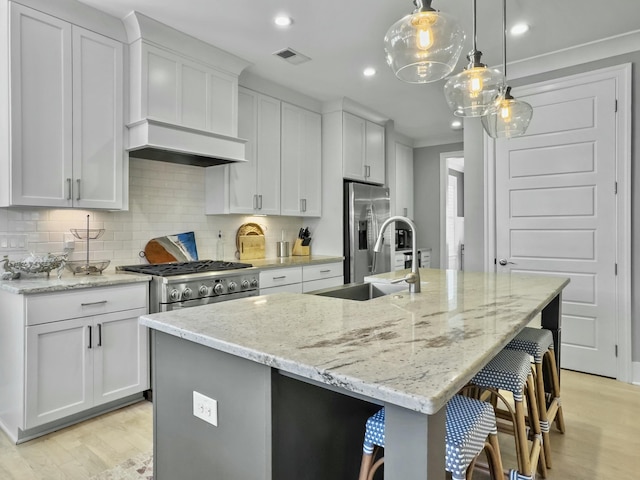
(510, 370)
(538, 343)
(470, 428)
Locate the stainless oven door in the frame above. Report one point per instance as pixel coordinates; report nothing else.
(196, 302)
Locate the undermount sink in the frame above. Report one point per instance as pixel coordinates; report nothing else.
(361, 291)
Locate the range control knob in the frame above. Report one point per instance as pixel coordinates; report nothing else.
(245, 284)
(232, 286)
(174, 295)
(254, 283)
(203, 290)
(219, 289)
(186, 293)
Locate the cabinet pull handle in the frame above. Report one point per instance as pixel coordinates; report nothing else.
(304, 203)
(99, 334)
(280, 277)
(325, 271)
(90, 339)
(93, 303)
(367, 171)
(68, 189)
(405, 211)
(78, 182)
(260, 202)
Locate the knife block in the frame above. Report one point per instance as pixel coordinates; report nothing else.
(299, 250)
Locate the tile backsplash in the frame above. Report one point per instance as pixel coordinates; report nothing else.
(164, 199)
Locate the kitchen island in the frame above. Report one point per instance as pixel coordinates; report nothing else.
(407, 352)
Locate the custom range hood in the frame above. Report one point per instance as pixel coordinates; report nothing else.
(183, 97)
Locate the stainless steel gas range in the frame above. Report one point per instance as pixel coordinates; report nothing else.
(190, 284)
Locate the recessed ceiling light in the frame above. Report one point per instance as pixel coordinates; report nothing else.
(369, 72)
(456, 124)
(283, 20)
(519, 29)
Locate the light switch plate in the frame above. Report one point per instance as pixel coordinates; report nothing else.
(205, 408)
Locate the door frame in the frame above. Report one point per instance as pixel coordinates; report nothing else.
(443, 200)
(622, 75)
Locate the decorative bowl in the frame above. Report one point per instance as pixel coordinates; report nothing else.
(87, 233)
(33, 264)
(93, 267)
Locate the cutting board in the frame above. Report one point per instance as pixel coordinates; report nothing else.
(172, 248)
(251, 246)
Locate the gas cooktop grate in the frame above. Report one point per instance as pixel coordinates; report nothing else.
(183, 268)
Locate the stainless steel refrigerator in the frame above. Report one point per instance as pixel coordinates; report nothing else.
(365, 208)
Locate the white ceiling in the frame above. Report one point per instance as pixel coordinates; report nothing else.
(342, 37)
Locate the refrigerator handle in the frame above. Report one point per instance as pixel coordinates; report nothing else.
(372, 230)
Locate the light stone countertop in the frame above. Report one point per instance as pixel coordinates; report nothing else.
(42, 284)
(411, 350)
(291, 261)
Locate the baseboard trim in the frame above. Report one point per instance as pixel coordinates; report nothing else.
(635, 373)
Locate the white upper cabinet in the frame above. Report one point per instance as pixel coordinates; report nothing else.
(180, 91)
(66, 116)
(251, 187)
(301, 162)
(404, 180)
(363, 149)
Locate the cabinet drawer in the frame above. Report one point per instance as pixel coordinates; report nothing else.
(325, 270)
(280, 276)
(55, 306)
(322, 283)
(292, 288)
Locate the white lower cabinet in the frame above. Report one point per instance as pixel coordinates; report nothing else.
(85, 350)
(301, 279)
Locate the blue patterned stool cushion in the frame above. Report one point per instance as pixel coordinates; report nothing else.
(508, 370)
(535, 341)
(374, 432)
(468, 423)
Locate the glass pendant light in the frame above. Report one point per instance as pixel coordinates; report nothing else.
(471, 92)
(507, 117)
(423, 46)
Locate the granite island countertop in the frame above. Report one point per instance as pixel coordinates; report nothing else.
(411, 350)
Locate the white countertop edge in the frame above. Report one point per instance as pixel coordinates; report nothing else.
(26, 286)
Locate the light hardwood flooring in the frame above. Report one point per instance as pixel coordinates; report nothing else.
(602, 441)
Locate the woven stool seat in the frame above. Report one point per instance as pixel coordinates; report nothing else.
(510, 370)
(469, 422)
(535, 341)
(538, 343)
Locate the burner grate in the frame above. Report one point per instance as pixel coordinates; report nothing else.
(183, 268)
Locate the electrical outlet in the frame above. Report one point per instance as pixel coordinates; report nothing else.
(13, 242)
(205, 408)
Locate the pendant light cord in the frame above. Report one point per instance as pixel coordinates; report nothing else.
(475, 37)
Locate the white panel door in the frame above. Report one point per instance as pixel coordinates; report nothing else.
(98, 121)
(242, 176)
(41, 118)
(268, 144)
(375, 153)
(556, 213)
(353, 146)
(404, 180)
(120, 356)
(59, 370)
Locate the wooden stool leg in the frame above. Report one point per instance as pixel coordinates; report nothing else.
(553, 371)
(542, 412)
(524, 459)
(537, 457)
(492, 449)
(365, 466)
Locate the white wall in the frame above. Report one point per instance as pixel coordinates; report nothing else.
(164, 199)
(426, 196)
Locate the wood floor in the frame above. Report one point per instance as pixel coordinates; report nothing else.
(602, 440)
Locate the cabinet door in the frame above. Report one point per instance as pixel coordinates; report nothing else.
(242, 177)
(268, 162)
(98, 122)
(41, 83)
(120, 363)
(404, 180)
(375, 153)
(301, 169)
(59, 370)
(353, 146)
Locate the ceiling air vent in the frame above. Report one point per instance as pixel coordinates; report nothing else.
(291, 56)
